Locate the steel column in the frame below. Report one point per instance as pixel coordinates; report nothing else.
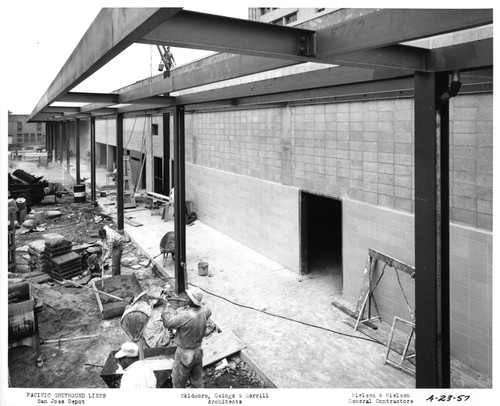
(77, 150)
(166, 154)
(54, 142)
(179, 202)
(119, 172)
(60, 143)
(66, 138)
(92, 160)
(432, 298)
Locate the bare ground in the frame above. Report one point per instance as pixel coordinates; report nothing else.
(69, 312)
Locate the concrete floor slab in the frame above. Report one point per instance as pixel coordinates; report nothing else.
(317, 351)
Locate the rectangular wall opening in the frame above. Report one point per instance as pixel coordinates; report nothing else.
(321, 238)
(158, 175)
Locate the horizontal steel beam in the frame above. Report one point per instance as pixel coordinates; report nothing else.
(79, 97)
(61, 109)
(401, 87)
(112, 31)
(216, 68)
(470, 55)
(393, 26)
(308, 80)
(188, 29)
(92, 107)
(154, 100)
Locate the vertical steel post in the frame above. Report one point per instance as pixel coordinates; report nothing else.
(47, 140)
(54, 142)
(166, 154)
(77, 150)
(66, 136)
(119, 172)
(60, 151)
(92, 160)
(432, 298)
(179, 202)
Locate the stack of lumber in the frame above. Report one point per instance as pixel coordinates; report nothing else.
(62, 262)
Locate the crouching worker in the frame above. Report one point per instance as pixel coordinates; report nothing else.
(136, 374)
(190, 324)
(112, 244)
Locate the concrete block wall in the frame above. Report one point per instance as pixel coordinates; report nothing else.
(260, 214)
(392, 232)
(471, 160)
(244, 142)
(362, 151)
(471, 296)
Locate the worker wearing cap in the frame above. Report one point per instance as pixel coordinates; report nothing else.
(190, 324)
(136, 373)
(112, 244)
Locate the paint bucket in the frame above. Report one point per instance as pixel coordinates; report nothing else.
(79, 193)
(203, 269)
(40, 217)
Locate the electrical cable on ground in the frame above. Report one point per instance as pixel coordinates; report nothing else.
(289, 319)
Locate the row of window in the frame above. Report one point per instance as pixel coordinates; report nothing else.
(20, 126)
(32, 137)
(288, 19)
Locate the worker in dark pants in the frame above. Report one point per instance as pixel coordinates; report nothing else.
(112, 244)
(190, 324)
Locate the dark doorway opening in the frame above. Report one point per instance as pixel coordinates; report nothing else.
(158, 175)
(321, 237)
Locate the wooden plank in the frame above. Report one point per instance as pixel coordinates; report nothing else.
(392, 262)
(219, 346)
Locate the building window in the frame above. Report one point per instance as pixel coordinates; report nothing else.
(32, 137)
(39, 126)
(26, 137)
(279, 21)
(19, 126)
(154, 129)
(290, 18)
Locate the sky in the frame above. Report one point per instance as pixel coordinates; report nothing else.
(37, 38)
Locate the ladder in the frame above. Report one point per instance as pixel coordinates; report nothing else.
(128, 186)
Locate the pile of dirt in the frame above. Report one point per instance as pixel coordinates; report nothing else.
(72, 315)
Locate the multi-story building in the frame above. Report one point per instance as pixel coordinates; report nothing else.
(23, 134)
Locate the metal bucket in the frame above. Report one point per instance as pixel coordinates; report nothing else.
(79, 193)
(203, 269)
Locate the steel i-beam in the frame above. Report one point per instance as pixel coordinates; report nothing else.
(432, 264)
(179, 201)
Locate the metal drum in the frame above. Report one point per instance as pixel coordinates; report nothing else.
(79, 193)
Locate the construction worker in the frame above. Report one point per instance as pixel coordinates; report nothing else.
(136, 373)
(112, 244)
(190, 324)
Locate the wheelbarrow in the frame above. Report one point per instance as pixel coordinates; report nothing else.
(167, 246)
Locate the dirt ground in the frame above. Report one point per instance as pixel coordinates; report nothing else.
(68, 311)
